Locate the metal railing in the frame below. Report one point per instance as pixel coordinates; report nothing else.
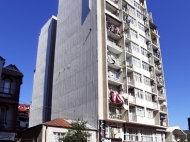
(114, 112)
(7, 125)
(7, 92)
(113, 44)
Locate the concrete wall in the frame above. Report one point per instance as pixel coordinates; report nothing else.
(75, 80)
(42, 86)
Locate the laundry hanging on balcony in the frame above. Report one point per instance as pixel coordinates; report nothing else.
(116, 98)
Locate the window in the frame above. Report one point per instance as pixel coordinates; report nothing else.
(131, 9)
(136, 62)
(137, 5)
(141, 26)
(7, 85)
(137, 77)
(132, 20)
(148, 97)
(133, 33)
(149, 113)
(146, 135)
(2, 114)
(142, 39)
(147, 81)
(159, 137)
(145, 66)
(144, 52)
(131, 134)
(138, 93)
(135, 47)
(58, 136)
(111, 131)
(139, 15)
(139, 111)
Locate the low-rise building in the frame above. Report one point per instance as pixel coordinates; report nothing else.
(10, 82)
(52, 131)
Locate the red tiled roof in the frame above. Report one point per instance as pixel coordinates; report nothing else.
(59, 122)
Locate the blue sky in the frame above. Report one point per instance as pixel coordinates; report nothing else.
(21, 21)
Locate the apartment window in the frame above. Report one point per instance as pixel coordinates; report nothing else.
(142, 39)
(139, 111)
(147, 81)
(144, 52)
(138, 93)
(135, 47)
(145, 66)
(131, 9)
(132, 20)
(149, 113)
(146, 135)
(148, 97)
(141, 26)
(159, 137)
(137, 5)
(58, 136)
(7, 85)
(2, 114)
(136, 62)
(131, 134)
(133, 33)
(139, 15)
(137, 77)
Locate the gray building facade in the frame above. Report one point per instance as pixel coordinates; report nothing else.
(43, 74)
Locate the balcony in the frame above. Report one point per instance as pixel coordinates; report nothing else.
(163, 109)
(161, 96)
(113, 11)
(127, 37)
(158, 67)
(160, 81)
(115, 112)
(114, 31)
(156, 55)
(142, 5)
(155, 44)
(113, 3)
(150, 60)
(149, 47)
(114, 78)
(7, 93)
(113, 47)
(7, 125)
(132, 117)
(132, 99)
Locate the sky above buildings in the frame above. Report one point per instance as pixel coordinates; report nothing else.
(21, 21)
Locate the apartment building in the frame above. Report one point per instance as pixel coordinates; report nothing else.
(10, 82)
(108, 69)
(40, 109)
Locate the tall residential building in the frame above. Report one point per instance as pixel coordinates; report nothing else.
(40, 109)
(108, 69)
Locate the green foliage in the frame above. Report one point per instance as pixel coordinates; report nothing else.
(78, 132)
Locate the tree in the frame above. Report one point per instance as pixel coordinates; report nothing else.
(77, 133)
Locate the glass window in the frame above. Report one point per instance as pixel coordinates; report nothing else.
(139, 15)
(146, 135)
(131, 134)
(137, 77)
(135, 47)
(2, 114)
(138, 93)
(7, 85)
(148, 96)
(132, 20)
(145, 66)
(137, 5)
(141, 26)
(58, 136)
(149, 113)
(133, 33)
(147, 81)
(139, 111)
(131, 9)
(144, 52)
(136, 62)
(142, 39)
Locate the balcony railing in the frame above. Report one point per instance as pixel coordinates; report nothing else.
(149, 48)
(155, 43)
(7, 92)
(163, 109)
(7, 125)
(113, 44)
(114, 112)
(128, 49)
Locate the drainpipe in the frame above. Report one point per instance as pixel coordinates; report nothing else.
(46, 132)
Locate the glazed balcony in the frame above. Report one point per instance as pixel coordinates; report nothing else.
(8, 93)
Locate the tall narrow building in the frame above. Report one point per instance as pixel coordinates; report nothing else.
(40, 109)
(108, 69)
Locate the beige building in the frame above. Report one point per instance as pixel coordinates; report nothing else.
(108, 70)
